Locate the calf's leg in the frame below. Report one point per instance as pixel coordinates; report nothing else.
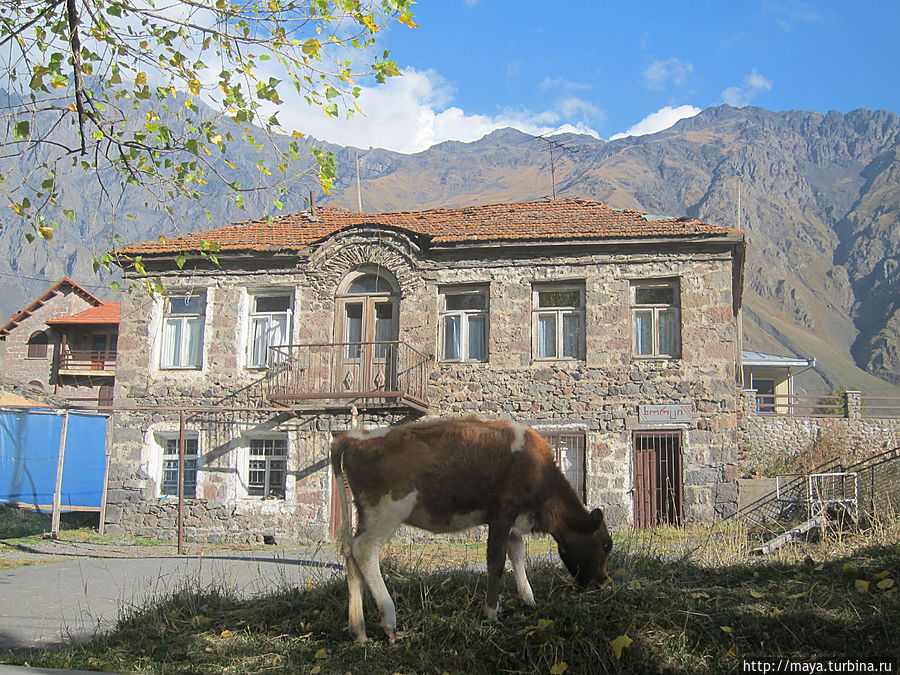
(498, 533)
(355, 587)
(515, 549)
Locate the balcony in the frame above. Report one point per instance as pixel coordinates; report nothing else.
(369, 375)
(87, 362)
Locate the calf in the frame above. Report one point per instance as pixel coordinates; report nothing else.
(447, 475)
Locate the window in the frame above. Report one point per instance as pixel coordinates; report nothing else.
(38, 345)
(464, 324)
(268, 467)
(558, 322)
(568, 452)
(270, 326)
(170, 466)
(656, 319)
(182, 336)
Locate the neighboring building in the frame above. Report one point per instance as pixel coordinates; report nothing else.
(64, 344)
(772, 378)
(615, 334)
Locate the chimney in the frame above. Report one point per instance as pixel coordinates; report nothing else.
(312, 202)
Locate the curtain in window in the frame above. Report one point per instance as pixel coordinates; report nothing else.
(572, 336)
(194, 329)
(547, 336)
(452, 337)
(171, 343)
(477, 335)
(643, 332)
(668, 325)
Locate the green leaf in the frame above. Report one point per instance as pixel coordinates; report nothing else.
(21, 130)
(180, 260)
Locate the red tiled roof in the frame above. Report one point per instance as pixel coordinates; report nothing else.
(25, 313)
(106, 313)
(545, 220)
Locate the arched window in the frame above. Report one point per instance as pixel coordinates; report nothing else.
(38, 345)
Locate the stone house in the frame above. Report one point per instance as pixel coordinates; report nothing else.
(64, 344)
(615, 334)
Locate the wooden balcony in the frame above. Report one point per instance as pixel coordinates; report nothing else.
(384, 374)
(87, 362)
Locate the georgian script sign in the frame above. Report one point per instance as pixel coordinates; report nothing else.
(664, 414)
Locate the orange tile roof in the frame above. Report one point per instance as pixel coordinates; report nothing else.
(566, 219)
(106, 313)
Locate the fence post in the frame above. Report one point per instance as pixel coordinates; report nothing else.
(57, 491)
(852, 405)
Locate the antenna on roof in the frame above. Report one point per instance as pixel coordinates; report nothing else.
(559, 146)
(358, 185)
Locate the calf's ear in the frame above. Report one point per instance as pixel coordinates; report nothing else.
(596, 518)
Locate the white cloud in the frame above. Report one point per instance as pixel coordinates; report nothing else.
(660, 120)
(659, 74)
(413, 112)
(753, 84)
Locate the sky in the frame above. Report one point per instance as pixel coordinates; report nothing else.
(611, 69)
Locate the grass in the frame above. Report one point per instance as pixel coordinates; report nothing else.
(688, 600)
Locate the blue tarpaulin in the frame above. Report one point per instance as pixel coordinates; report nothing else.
(29, 457)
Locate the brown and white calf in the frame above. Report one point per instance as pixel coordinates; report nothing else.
(447, 475)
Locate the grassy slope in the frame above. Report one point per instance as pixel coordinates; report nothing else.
(689, 603)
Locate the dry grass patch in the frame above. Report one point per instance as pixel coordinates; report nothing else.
(681, 601)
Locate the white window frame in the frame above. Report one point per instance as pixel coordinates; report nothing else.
(186, 325)
(265, 464)
(560, 315)
(464, 317)
(656, 313)
(169, 443)
(256, 317)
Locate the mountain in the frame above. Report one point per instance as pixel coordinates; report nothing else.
(818, 194)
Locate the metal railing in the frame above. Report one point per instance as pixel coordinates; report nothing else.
(880, 406)
(386, 372)
(87, 360)
(824, 405)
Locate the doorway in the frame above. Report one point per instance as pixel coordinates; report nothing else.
(367, 331)
(658, 488)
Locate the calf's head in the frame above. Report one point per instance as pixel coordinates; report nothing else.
(584, 552)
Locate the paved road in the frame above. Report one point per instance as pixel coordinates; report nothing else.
(78, 594)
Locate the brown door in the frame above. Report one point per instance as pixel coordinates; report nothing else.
(657, 478)
(367, 330)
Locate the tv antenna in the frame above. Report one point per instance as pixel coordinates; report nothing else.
(556, 148)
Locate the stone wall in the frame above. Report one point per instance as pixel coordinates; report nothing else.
(771, 444)
(598, 396)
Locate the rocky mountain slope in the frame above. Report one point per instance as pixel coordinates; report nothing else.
(818, 194)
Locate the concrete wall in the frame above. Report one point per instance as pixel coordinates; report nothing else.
(598, 396)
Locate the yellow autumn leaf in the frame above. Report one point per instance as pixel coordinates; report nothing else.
(406, 19)
(797, 596)
(861, 585)
(757, 594)
(194, 86)
(726, 629)
(619, 644)
(322, 653)
(634, 585)
(315, 670)
(46, 232)
(885, 584)
(881, 575)
(141, 79)
(846, 567)
(559, 668)
(226, 633)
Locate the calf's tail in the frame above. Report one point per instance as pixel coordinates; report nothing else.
(337, 456)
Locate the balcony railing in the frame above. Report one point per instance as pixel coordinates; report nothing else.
(87, 362)
(373, 374)
(848, 404)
